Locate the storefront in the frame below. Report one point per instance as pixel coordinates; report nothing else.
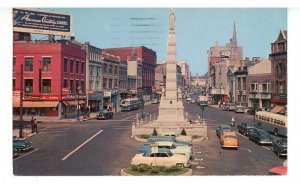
(95, 101)
(37, 108)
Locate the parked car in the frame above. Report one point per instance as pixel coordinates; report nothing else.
(239, 109)
(229, 140)
(245, 128)
(22, 145)
(161, 157)
(182, 149)
(105, 114)
(223, 128)
(193, 101)
(229, 106)
(155, 101)
(260, 136)
(280, 147)
(250, 110)
(177, 142)
(15, 153)
(279, 170)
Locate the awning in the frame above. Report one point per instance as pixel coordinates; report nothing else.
(37, 104)
(73, 103)
(278, 109)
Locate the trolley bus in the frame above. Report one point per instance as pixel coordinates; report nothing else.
(130, 104)
(271, 122)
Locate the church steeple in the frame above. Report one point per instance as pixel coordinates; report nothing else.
(234, 39)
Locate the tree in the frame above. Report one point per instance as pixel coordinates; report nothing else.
(154, 132)
(183, 132)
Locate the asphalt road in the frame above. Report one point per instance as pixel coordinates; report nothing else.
(103, 147)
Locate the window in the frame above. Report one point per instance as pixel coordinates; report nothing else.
(91, 69)
(110, 69)
(77, 67)
(239, 98)
(14, 64)
(71, 66)
(71, 86)
(14, 84)
(253, 87)
(115, 69)
(280, 87)
(29, 64)
(105, 68)
(65, 65)
(82, 86)
(77, 85)
(46, 64)
(28, 85)
(244, 83)
(110, 84)
(66, 83)
(82, 68)
(239, 84)
(244, 98)
(104, 83)
(46, 85)
(98, 71)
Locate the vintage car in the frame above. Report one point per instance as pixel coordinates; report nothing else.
(228, 106)
(183, 149)
(280, 147)
(193, 101)
(239, 109)
(229, 140)
(250, 110)
(104, 114)
(22, 145)
(161, 157)
(260, 136)
(245, 128)
(223, 128)
(177, 142)
(155, 101)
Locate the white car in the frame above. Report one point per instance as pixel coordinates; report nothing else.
(162, 157)
(183, 149)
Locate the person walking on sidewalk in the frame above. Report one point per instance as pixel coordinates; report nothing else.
(35, 126)
(32, 125)
(232, 123)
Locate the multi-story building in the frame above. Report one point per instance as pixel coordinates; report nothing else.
(134, 77)
(110, 77)
(241, 92)
(148, 60)
(53, 77)
(185, 73)
(278, 59)
(259, 85)
(93, 77)
(228, 58)
(123, 79)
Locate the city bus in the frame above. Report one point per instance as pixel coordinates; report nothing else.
(202, 100)
(271, 122)
(130, 104)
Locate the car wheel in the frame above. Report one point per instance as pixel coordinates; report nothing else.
(180, 165)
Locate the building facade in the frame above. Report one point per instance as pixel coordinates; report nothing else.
(278, 59)
(259, 82)
(94, 71)
(54, 76)
(123, 79)
(241, 92)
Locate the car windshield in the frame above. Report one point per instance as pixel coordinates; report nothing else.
(230, 136)
(264, 135)
(104, 110)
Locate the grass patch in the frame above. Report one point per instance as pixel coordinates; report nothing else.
(154, 170)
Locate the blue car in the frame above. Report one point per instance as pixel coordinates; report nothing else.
(22, 145)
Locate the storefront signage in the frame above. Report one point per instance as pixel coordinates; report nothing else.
(42, 22)
(27, 97)
(107, 93)
(73, 97)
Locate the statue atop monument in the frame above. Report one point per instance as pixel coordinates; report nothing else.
(172, 20)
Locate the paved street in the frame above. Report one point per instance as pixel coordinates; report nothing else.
(103, 147)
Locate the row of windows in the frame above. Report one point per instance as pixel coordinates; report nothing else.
(70, 68)
(28, 86)
(271, 120)
(70, 85)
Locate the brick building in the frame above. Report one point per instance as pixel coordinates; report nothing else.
(53, 76)
(278, 59)
(148, 60)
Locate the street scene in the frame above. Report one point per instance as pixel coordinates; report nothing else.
(137, 96)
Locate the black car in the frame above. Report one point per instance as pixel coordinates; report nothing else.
(260, 136)
(15, 153)
(280, 147)
(223, 128)
(105, 114)
(245, 128)
(22, 145)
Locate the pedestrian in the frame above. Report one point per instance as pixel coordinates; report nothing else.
(32, 125)
(35, 126)
(232, 122)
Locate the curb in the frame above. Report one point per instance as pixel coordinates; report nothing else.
(188, 173)
(140, 139)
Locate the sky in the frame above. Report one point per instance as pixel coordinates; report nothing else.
(196, 29)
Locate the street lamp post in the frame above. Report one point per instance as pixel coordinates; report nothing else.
(78, 89)
(21, 103)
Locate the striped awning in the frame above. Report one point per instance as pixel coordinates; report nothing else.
(278, 109)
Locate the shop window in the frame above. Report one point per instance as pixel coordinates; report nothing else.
(65, 65)
(46, 64)
(28, 85)
(46, 85)
(28, 64)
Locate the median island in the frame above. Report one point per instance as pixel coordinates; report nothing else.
(146, 170)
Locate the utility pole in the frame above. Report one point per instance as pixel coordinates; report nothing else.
(21, 103)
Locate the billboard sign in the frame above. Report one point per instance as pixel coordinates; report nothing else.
(42, 22)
